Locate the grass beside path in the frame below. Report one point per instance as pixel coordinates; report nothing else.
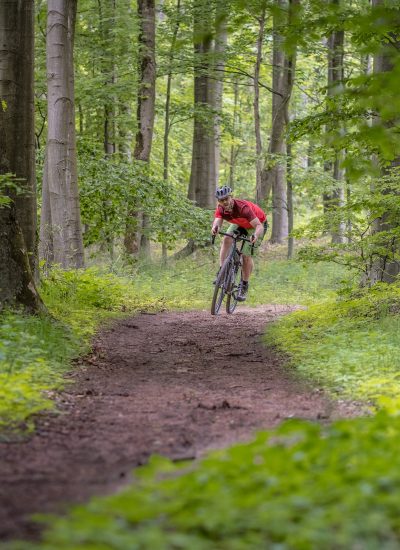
(350, 346)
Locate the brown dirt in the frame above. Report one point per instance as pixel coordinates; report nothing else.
(176, 384)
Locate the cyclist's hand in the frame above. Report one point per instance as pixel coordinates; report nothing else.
(253, 239)
(214, 229)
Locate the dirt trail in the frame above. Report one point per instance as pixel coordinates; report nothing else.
(176, 384)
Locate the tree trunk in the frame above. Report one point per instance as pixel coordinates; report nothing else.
(335, 85)
(221, 40)
(18, 220)
(203, 175)
(107, 23)
(273, 175)
(62, 177)
(289, 179)
(167, 109)
(17, 93)
(234, 149)
(145, 115)
(256, 105)
(46, 251)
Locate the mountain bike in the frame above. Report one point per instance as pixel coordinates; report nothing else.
(230, 275)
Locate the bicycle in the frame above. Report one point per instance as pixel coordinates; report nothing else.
(230, 275)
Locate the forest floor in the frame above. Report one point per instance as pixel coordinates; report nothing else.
(176, 384)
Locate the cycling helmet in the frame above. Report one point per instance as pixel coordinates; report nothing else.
(223, 192)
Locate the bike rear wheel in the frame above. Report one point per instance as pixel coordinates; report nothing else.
(220, 287)
(235, 278)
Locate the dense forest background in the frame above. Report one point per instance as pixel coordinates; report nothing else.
(141, 111)
(118, 119)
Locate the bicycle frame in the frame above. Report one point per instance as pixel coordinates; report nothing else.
(227, 284)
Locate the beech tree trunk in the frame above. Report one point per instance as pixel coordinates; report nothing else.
(335, 85)
(136, 240)
(203, 175)
(18, 219)
(65, 231)
(274, 173)
(220, 43)
(256, 106)
(107, 23)
(234, 148)
(209, 67)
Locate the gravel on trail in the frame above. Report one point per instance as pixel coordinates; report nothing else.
(174, 383)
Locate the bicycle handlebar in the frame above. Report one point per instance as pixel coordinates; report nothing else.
(235, 236)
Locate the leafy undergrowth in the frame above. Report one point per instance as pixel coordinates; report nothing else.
(187, 283)
(35, 352)
(350, 346)
(301, 486)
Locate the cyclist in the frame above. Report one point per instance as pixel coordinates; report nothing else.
(243, 216)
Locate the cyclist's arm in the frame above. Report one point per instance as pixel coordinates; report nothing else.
(216, 226)
(259, 228)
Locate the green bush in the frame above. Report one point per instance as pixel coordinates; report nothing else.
(350, 346)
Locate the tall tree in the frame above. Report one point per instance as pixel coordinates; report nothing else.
(134, 240)
(18, 216)
(61, 232)
(202, 177)
(107, 24)
(273, 176)
(257, 127)
(335, 198)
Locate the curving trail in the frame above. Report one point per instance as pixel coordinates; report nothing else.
(175, 384)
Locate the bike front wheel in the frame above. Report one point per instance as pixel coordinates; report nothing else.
(220, 287)
(235, 278)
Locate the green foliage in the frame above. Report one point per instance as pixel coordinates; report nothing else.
(111, 189)
(35, 352)
(10, 186)
(33, 355)
(370, 229)
(301, 486)
(351, 346)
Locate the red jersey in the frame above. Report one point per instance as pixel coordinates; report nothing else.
(241, 214)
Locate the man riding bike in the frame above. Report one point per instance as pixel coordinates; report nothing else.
(246, 217)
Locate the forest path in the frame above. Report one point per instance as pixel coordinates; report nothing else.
(175, 383)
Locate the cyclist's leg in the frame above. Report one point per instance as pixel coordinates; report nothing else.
(247, 268)
(226, 244)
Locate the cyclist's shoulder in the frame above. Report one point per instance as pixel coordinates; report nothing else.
(246, 203)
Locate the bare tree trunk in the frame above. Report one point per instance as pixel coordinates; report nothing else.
(202, 177)
(256, 105)
(61, 142)
(234, 150)
(289, 179)
(273, 175)
(17, 54)
(46, 251)
(335, 84)
(146, 98)
(167, 108)
(18, 220)
(107, 23)
(209, 67)
(221, 40)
